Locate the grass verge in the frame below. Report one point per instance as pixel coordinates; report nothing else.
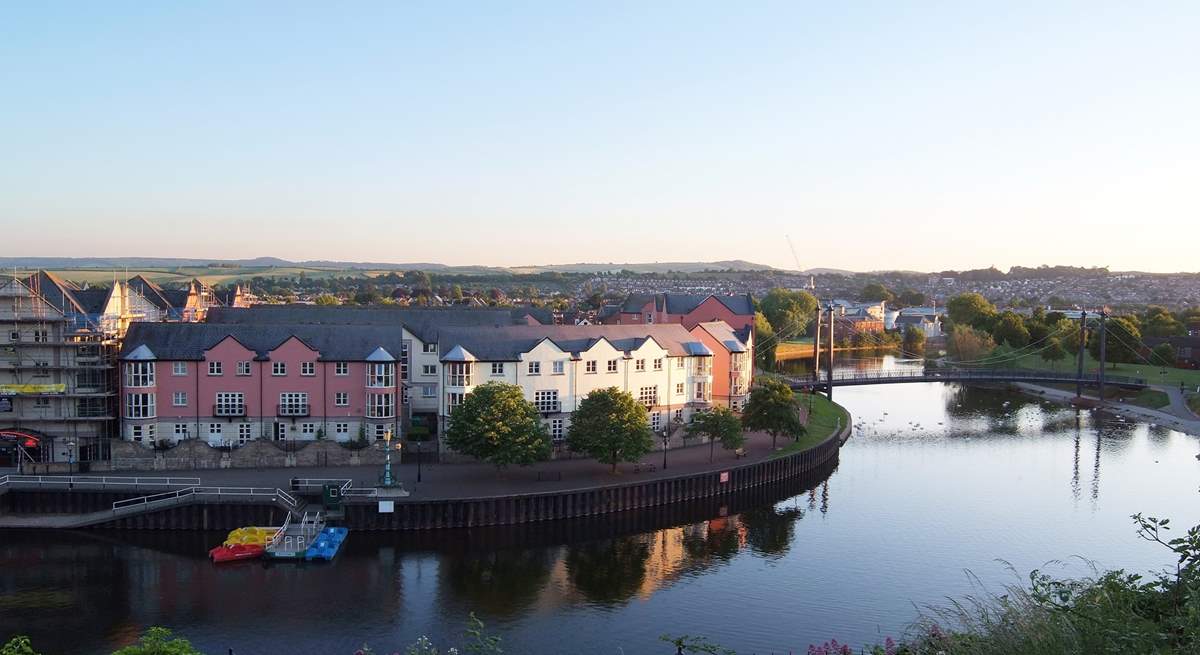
(824, 418)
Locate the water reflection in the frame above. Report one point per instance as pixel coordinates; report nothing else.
(954, 478)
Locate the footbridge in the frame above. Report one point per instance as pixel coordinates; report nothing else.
(940, 374)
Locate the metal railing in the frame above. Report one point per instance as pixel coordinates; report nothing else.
(103, 481)
(277, 495)
(295, 409)
(296, 484)
(957, 374)
(229, 410)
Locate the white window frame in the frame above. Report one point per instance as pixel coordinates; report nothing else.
(341, 369)
(243, 368)
(139, 374)
(381, 405)
(658, 364)
(179, 399)
(428, 391)
(293, 403)
(428, 369)
(278, 369)
(558, 367)
(229, 403)
(181, 430)
(589, 367)
(215, 369)
(533, 368)
(308, 369)
(546, 401)
(557, 433)
(648, 396)
(458, 374)
(245, 434)
(497, 368)
(429, 347)
(639, 365)
(381, 376)
(140, 405)
(454, 400)
(341, 399)
(215, 429)
(179, 369)
(680, 389)
(341, 428)
(612, 366)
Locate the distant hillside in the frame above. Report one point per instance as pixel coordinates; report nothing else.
(168, 263)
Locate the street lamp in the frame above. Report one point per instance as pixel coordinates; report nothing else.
(419, 461)
(666, 437)
(70, 456)
(387, 480)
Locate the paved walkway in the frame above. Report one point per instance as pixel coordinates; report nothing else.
(444, 481)
(1176, 415)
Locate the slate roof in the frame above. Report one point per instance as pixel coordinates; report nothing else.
(425, 323)
(93, 301)
(507, 343)
(683, 303)
(150, 291)
(188, 341)
(728, 337)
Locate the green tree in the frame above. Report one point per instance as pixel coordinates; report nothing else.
(326, 299)
(159, 641)
(1159, 322)
(876, 292)
(1122, 341)
(971, 309)
(1010, 328)
(18, 645)
(611, 427)
(914, 341)
(496, 424)
(772, 409)
(764, 341)
(788, 312)
(1163, 354)
(1054, 351)
(719, 424)
(910, 298)
(967, 344)
(456, 293)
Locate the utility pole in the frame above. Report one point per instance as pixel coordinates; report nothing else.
(1103, 340)
(1079, 357)
(832, 341)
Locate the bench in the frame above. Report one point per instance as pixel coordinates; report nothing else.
(644, 466)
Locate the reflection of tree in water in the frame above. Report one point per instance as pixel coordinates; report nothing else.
(963, 402)
(719, 541)
(609, 571)
(769, 532)
(500, 583)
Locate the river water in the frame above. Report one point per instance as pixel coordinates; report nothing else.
(941, 490)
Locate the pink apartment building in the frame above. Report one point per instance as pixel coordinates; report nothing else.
(230, 384)
(688, 310)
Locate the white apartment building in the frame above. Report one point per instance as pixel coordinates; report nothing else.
(663, 366)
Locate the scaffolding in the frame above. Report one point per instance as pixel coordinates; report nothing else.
(57, 372)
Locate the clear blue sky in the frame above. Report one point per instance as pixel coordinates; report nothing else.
(928, 136)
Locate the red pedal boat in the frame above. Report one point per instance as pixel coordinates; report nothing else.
(236, 552)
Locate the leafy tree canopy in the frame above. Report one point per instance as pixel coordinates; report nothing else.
(788, 312)
(772, 409)
(496, 424)
(611, 427)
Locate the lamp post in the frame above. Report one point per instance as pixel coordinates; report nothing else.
(419, 448)
(666, 437)
(71, 457)
(387, 480)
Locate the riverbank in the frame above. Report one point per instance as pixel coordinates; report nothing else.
(453, 495)
(1172, 419)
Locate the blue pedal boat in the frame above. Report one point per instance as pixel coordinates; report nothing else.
(326, 545)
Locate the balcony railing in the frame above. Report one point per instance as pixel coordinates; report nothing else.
(232, 410)
(294, 409)
(549, 406)
(460, 380)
